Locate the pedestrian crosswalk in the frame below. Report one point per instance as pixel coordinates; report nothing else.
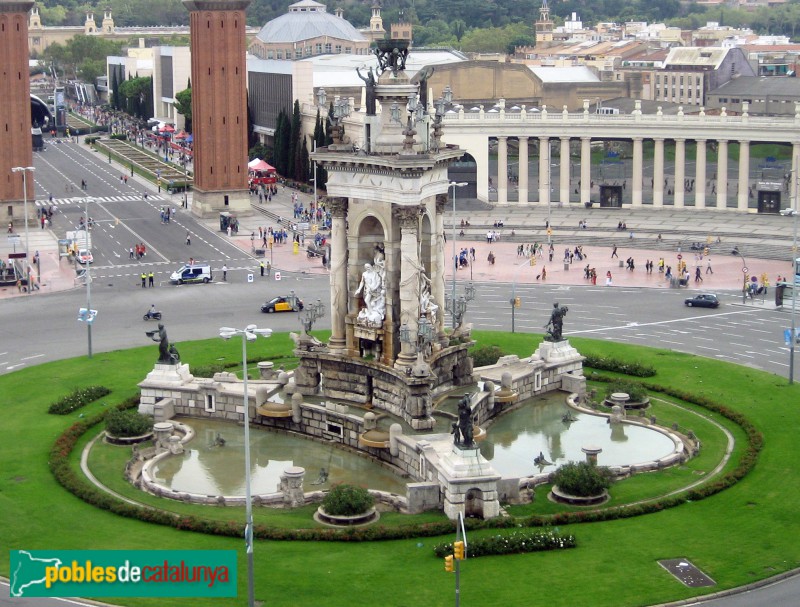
(79, 200)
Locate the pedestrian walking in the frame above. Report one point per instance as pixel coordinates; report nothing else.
(150, 278)
(614, 252)
(608, 278)
(708, 266)
(188, 238)
(698, 276)
(261, 267)
(224, 272)
(144, 280)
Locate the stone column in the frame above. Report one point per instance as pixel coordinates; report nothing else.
(744, 175)
(502, 170)
(680, 172)
(636, 186)
(544, 170)
(700, 175)
(722, 174)
(586, 169)
(523, 171)
(658, 174)
(408, 217)
(338, 275)
(563, 171)
(439, 264)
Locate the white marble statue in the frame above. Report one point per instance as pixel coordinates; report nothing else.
(373, 289)
(427, 307)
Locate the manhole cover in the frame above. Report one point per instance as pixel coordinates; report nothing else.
(687, 573)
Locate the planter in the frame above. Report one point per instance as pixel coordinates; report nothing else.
(561, 497)
(127, 440)
(628, 404)
(336, 520)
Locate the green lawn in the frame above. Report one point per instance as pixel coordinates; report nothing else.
(743, 534)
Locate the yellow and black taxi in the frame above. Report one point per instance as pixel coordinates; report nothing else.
(282, 304)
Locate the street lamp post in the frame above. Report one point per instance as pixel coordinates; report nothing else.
(792, 335)
(88, 243)
(24, 171)
(249, 333)
(453, 185)
(744, 275)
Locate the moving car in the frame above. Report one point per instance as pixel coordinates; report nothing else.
(702, 300)
(282, 304)
(85, 256)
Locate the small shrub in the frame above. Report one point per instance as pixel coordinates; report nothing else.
(90, 140)
(77, 399)
(582, 479)
(486, 355)
(120, 136)
(127, 423)
(347, 500)
(516, 542)
(635, 390)
(603, 363)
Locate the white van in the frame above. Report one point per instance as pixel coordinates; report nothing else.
(197, 272)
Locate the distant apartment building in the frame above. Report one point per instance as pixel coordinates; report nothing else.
(689, 73)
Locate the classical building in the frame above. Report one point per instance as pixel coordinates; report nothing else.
(307, 29)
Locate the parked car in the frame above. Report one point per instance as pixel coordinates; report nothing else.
(195, 272)
(702, 300)
(788, 212)
(282, 304)
(85, 256)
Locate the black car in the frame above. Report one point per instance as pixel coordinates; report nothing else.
(702, 300)
(282, 304)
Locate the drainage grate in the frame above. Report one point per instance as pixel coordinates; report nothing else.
(687, 573)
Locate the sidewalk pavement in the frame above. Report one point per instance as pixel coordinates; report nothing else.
(58, 275)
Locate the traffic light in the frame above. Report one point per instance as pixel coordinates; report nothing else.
(533, 261)
(448, 563)
(549, 231)
(458, 550)
(705, 251)
(517, 302)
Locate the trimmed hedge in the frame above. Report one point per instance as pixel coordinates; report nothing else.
(603, 363)
(77, 399)
(516, 542)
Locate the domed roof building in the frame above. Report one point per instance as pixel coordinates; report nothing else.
(307, 29)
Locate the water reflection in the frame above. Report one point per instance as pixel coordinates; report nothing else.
(516, 438)
(219, 470)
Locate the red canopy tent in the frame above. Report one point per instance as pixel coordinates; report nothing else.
(259, 165)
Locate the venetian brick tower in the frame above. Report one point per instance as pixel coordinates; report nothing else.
(15, 119)
(219, 106)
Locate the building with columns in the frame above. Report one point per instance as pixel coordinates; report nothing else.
(657, 160)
